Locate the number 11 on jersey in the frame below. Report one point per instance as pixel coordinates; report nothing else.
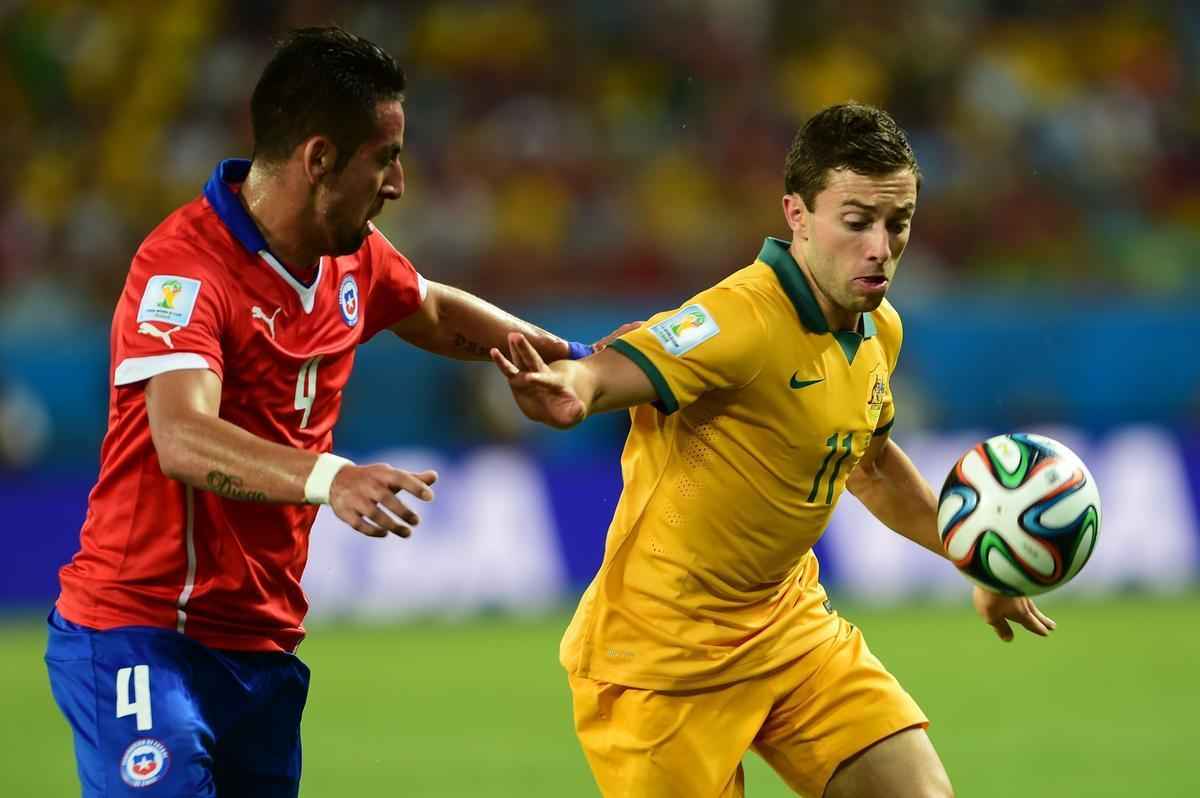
(306, 388)
(832, 443)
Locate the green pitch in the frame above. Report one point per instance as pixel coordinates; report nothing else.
(1109, 706)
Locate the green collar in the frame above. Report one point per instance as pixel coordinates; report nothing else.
(775, 253)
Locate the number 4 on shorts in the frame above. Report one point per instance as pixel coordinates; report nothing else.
(140, 705)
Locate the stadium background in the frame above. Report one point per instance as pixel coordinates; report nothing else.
(586, 163)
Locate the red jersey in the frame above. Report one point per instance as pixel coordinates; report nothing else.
(204, 291)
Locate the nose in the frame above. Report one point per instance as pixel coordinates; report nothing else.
(393, 183)
(879, 245)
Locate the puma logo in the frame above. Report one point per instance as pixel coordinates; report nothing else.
(257, 313)
(146, 328)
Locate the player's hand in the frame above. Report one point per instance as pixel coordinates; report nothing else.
(365, 498)
(541, 392)
(615, 334)
(998, 610)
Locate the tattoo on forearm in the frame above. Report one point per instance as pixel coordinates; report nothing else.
(467, 345)
(231, 488)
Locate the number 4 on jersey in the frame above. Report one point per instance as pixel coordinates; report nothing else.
(140, 705)
(306, 388)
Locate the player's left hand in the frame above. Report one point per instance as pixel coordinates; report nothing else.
(998, 610)
(542, 393)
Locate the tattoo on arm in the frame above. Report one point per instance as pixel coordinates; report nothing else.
(230, 487)
(467, 345)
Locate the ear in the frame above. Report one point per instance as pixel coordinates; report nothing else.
(797, 215)
(318, 156)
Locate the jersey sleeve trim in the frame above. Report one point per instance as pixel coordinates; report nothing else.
(137, 369)
(667, 403)
(885, 429)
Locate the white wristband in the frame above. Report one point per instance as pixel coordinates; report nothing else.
(320, 479)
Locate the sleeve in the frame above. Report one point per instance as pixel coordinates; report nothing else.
(396, 288)
(713, 342)
(892, 334)
(171, 314)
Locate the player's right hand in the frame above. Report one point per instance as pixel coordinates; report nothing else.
(542, 392)
(365, 498)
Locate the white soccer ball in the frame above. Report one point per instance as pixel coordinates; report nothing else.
(1019, 514)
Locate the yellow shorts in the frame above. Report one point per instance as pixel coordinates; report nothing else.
(804, 719)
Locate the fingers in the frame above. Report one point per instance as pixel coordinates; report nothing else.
(523, 353)
(615, 334)
(364, 526)
(506, 367)
(1003, 630)
(428, 476)
(1028, 617)
(412, 483)
(366, 499)
(381, 518)
(1046, 620)
(399, 510)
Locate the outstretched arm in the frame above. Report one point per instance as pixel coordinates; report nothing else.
(563, 393)
(889, 485)
(460, 325)
(198, 448)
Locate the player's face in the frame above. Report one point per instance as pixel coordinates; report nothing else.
(852, 239)
(349, 199)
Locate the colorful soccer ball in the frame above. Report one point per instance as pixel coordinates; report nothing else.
(1019, 514)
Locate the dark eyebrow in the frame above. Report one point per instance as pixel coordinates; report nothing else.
(907, 208)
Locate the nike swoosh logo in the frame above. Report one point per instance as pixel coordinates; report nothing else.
(797, 384)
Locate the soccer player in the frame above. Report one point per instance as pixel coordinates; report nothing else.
(171, 646)
(706, 631)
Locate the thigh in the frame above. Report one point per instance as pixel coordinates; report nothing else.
(661, 745)
(258, 754)
(836, 702)
(128, 700)
(904, 765)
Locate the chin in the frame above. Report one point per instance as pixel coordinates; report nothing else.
(351, 244)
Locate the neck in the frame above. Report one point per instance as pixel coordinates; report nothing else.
(279, 220)
(837, 317)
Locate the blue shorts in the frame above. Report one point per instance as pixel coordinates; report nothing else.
(155, 713)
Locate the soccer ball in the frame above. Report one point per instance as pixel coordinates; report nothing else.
(1019, 514)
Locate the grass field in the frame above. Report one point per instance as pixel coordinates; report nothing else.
(1109, 706)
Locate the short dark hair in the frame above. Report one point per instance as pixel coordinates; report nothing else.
(851, 136)
(322, 81)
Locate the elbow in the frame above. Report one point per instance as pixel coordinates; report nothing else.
(860, 479)
(170, 461)
(171, 450)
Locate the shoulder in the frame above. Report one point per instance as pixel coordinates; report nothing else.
(183, 265)
(192, 238)
(378, 247)
(758, 287)
(385, 263)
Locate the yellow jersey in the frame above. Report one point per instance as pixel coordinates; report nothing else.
(729, 479)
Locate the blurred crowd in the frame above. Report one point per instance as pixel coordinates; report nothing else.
(589, 148)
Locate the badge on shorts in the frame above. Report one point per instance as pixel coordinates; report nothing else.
(169, 299)
(686, 330)
(145, 761)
